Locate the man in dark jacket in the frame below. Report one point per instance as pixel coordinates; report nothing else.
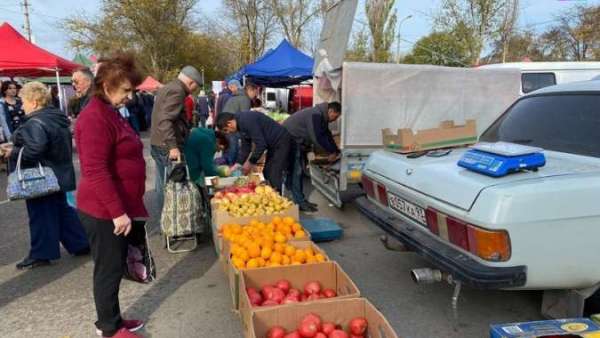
(241, 99)
(224, 96)
(266, 135)
(169, 128)
(310, 127)
(82, 81)
(202, 108)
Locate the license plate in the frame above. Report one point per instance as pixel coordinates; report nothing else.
(407, 209)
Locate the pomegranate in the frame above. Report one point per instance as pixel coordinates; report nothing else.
(294, 292)
(283, 285)
(276, 332)
(290, 300)
(255, 298)
(269, 302)
(294, 334)
(328, 327)
(320, 335)
(312, 287)
(338, 334)
(266, 291)
(277, 295)
(329, 293)
(314, 296)
(312, 318)
(303, 298)
(308, 329)
(358, 326)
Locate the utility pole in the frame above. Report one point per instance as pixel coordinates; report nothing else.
(399, 40)
(27, 23)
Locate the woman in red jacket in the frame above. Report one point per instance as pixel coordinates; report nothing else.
(111, 189)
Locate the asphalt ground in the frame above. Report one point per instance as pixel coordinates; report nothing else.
(191, 296)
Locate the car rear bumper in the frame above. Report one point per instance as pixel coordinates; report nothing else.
(444, 256)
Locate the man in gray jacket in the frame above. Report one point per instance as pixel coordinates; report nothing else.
(241, 98)
(170, 128)
(310, 127)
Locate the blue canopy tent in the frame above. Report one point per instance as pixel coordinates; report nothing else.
(280, 67)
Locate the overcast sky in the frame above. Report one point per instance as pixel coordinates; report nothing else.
(46, 14)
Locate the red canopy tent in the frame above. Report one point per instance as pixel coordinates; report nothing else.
(19, 57)
(149, 84)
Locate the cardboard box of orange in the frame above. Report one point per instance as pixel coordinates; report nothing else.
(338, 311)
(233, 274)
(446, 135)
(219, 218)
(329, 274)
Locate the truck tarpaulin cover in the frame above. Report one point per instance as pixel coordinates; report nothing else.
(376, 96)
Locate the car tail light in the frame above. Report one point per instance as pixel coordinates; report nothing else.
(368, 186)
(375, 190)
(491, 245)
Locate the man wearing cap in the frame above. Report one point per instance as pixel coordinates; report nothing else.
(170, 128)
(241, 98)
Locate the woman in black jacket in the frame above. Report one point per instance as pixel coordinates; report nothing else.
(45, 138)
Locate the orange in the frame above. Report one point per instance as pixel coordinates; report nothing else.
(285, 260)
(300, 234)
(238, 263)
(290, 250)
(277, 220)
(253, 250)
(300, 256)
(266, 253)
(310, 260)
(320, 258)
(252, 264)
(273, 264)
(261, 262)
(296, 263)
(296, 227)
(276, 258)
(243, 255)
(280, 238)
(288, 220)
(309, 251)
(279, 247)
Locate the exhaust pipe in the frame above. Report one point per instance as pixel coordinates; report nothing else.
(426, 276)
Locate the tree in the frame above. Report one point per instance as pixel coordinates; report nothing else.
(294, 16)
(520, 46)
(254, 25)
(155, 30)
(575, 37)
(507, 27)
(359, 51)
(483, 19)
(382, 18)
(440, 48)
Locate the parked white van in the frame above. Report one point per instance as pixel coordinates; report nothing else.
(536, 75)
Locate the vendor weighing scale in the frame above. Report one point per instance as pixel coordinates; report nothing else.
(502, 158)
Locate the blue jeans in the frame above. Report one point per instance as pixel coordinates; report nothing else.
(161, 159)
(232, 151)
(53, 221)
(295, 178)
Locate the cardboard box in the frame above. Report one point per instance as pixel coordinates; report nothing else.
(329, 274)
(576, 327)
(338, 311)
(446, 135)
(223, 217)
(233, 274)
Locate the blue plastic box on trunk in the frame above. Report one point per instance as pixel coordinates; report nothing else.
(576, 327)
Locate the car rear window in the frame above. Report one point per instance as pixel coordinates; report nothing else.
(535, 81)
(567, 123)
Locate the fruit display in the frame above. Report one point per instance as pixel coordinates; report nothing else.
(263, 200)
(258, 245)
(312, 326)
(282, 292)
(278, 116)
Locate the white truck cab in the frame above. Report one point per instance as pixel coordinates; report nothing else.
(536, 75)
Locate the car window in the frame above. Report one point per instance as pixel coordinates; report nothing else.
(565, 123)
(271, 97)
(535, 81)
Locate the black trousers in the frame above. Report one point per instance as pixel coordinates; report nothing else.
(278, 161)
(109, 253)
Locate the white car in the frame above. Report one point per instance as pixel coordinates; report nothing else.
(527, 230)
